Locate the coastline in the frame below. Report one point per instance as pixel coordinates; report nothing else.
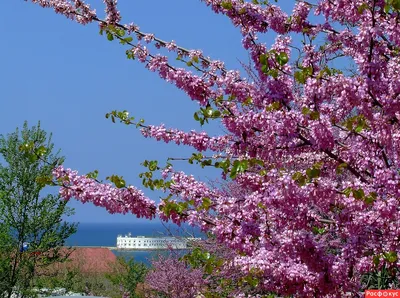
(114, 248)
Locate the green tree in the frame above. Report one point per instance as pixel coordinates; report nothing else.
(27, 213)
(129, 274)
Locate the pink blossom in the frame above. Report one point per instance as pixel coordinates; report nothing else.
(114, 200)
(310, 150)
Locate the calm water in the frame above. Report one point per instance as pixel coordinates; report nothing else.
(105, 234)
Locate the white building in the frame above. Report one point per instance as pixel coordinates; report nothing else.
(142, 242)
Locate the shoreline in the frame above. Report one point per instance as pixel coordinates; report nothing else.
(126, 249)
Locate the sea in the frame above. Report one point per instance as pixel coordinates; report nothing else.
(105, 234)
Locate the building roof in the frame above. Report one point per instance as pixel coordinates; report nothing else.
(94, 259)
(88, 260)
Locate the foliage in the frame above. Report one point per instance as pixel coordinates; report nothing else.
(385, 277)
(123, 278)
(76, 281)
(315, 147)
(5, 259)
(26, 215)
(129, 276)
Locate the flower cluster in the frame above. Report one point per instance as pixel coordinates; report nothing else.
(114, 200)
(199, 141)
(75, 10)
(310, 151)
(172, 278)
(112, 13)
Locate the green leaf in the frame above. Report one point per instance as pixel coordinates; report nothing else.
(299, 178)
(318, 165)
(359, 121)
(273, 73)
(340, 168)
(120, 183)
(261, 206)
(282, 58)
(248, 101)
(362, 8)
(26, 147)
(361, 124)
(208, 112)
(153, 165)
(302, 181)
(308, 71)
(254, 161)
(223, 165)
(32, 157)
(234, 170)
(314, 115)
(233, 173)
(219, 99)
(318, 231)
(313, 173)
(275, 106)
(369, 200)
(347, 191)
(206, 203)
(305, 111)
(396, 4)
(129, 54)
(110, 37)
(41, 151)
(359, 128)
(327, 70)
(216, 114)
(207, 162)
(300, 77)
(117, 180)
(227, 5)
(128, 39)
(252, 281)
(263, 59)
(45, 180)
(349, 125)
(376, 260)
(390, 256)
(181, 207)
(264, 69)
(92, 175)
(242, 11)
(358, 194)
(120, 32)
(239, 166)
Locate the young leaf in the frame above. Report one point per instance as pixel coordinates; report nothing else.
(282, 58)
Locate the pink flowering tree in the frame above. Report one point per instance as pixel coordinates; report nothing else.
(170, 277)
(208, 269)
(312, 150)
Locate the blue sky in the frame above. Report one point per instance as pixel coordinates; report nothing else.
(68, 76)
